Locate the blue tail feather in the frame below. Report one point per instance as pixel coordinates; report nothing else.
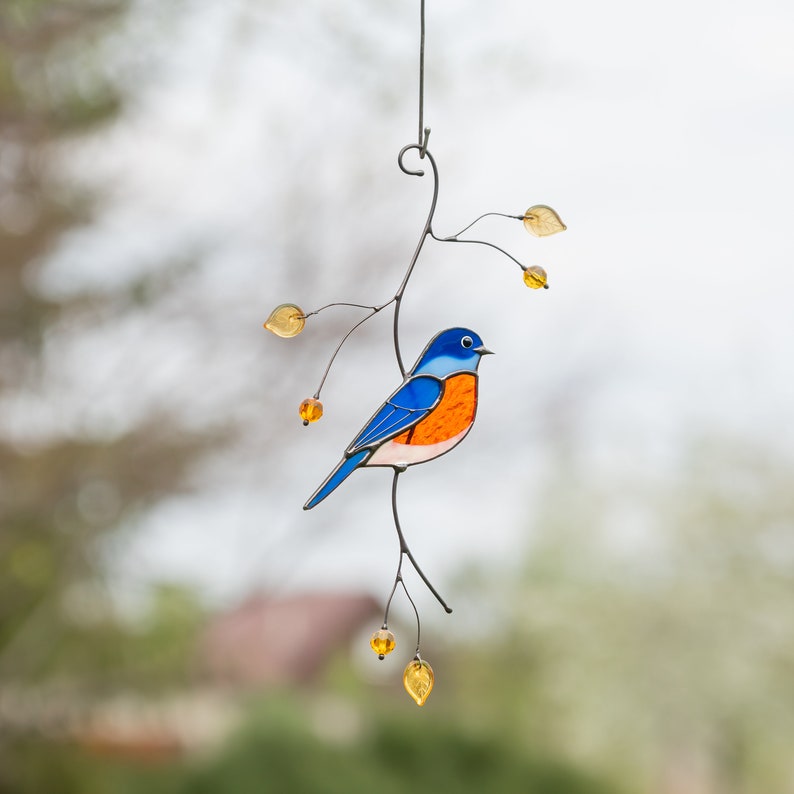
(337, 477)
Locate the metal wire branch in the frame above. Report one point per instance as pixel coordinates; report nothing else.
(480, 242)
(397, 298)
(339, 303)
(405, 551)
(373, 310)
(484, 215)
(427, 230)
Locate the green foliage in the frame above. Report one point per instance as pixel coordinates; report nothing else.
(419, 754)
(163, 649)
(271, 755)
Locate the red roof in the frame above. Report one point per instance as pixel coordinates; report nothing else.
(269, 641)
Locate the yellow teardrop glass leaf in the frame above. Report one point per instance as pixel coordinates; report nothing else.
(418, 680)
(286, 320)
(310, 410)
(542, 221)
(382, 642)
(535, 277)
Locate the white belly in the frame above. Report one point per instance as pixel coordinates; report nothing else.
(393, 454)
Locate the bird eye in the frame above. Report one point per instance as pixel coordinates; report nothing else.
(467, 341)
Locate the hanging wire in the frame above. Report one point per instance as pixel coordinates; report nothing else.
(422, 143)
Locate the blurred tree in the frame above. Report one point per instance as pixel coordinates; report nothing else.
(650, 630)
(63, 488)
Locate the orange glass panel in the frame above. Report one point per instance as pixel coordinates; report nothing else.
(454, 414)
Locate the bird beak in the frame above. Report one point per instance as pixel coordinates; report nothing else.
(483, 351)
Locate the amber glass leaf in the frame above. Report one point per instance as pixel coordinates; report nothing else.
(418, 680)
(310, 410)
(542, 221)
(535, 277)
(286, 320)
(382, 642)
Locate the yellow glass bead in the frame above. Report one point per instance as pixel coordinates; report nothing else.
(310, 410)
(535, 277)
(286, 320)
(382, 642)
(542, 221)
(418, 680)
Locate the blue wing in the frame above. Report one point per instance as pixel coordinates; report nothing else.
(411, 403)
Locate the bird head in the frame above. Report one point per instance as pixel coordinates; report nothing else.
(453, 350)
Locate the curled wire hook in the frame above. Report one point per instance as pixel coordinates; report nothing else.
(419, 171)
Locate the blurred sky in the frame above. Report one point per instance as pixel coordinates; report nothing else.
(261, 138)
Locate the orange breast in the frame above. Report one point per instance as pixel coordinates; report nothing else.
(452, 415)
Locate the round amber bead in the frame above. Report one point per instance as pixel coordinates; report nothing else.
(382, 642)
(310, 410)
(535, 277)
